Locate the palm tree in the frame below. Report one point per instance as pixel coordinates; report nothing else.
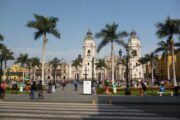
(169, 28)
(152, 58)
(109, 34)
(177, 45)
(35, 62)
(23, 60)
(44, 25)
(55, 62)
(3, 50)
(7, 56)
(164, 47)
(101, 64)
(76, 63)
(143, 61)
(1, 38)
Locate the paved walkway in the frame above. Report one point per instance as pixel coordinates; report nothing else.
(68, 95)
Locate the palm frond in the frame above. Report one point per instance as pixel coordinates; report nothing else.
(38, 34)
(55, 33)
(102, 44)
(1, 37)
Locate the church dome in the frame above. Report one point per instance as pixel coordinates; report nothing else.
(89, 38)
(133, 41)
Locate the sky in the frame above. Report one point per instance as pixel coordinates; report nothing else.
(75, 18)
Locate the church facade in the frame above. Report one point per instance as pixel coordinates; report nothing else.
(88, 69)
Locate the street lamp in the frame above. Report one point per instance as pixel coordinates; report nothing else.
(127, 90)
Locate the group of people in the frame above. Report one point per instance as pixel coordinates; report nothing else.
(36, 87)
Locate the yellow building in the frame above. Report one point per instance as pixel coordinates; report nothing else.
(161, 68)
(15, 72)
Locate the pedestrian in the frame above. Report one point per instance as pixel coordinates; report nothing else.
(75, 85)
(14, 88)
(144, 87)
(3, 89)
(162, 88)
(63, 84)
(40, 90)
(93, 90)
(33, 90)
(49, 89)
(53, 88)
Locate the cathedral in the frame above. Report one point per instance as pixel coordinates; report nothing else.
(88, 70)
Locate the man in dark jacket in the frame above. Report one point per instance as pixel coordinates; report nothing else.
(40, 89)
(33, 89)
(144, 87)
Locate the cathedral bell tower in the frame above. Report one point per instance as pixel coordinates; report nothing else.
(89, 57)
(134, 45)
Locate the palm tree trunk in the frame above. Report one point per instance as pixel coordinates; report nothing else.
(23, 74)
(168, 72)
(43, 57)
(55, 76)
(112, 62)
(173, 64)
(152, 73)
(34, 73)
(5, 70)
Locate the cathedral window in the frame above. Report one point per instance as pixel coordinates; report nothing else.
(88, 53)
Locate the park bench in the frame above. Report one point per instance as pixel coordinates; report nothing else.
(161, 93)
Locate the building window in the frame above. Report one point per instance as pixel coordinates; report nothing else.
(88, 63)
(88, 53)
(48, 77)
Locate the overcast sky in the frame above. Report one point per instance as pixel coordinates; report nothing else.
(76, 17)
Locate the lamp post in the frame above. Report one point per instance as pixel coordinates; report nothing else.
(127, 90)
(92, 68)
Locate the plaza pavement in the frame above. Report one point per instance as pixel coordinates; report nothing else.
(68, 95)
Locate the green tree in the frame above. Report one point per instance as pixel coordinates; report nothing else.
(152, 58)
(164, 47)
(168, 29)
(35, 62)
(100, 65)
(3, 50)
(24, 61)
(1, 38)
(109, 34)
(55, 62)
(8, 55)
(44, 25)
(2, 46)
(177, 45)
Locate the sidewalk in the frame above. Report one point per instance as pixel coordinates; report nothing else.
(68, 95)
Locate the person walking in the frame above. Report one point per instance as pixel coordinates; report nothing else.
(3, 89)
(144, 87)
(33, 90)
(40, 90)
(75, 85)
